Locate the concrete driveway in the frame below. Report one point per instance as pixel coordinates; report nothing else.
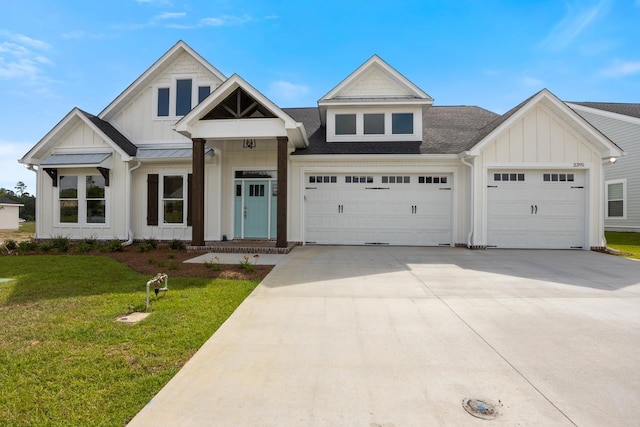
(380, 336)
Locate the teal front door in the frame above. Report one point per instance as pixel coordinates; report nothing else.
(253, 209)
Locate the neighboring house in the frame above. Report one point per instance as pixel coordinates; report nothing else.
(621, 123)
(187, 153)
(9, 214)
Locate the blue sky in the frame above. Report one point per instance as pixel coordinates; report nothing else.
(55, 55)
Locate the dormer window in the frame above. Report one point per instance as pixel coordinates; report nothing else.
(374, 124)
(345, 124)
(179, 98)
(402, 123)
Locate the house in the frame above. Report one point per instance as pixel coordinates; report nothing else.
(621, 124)
(9, 214)
(188, 153)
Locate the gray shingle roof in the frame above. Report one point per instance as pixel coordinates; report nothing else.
(7, 201)
(119, 139)
(631, 110)
(446, 130)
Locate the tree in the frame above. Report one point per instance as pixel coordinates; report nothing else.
(20, 187)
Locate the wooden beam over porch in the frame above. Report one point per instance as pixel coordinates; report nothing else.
(197, 193)
(283, 161)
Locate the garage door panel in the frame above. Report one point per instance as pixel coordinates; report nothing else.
(404, 212)
(546, 209)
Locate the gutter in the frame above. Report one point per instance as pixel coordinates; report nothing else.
(31, 167)
(472, 209)
(128, 202)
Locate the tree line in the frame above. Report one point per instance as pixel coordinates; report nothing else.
(20, 195)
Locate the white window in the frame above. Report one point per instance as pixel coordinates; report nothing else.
(372, 124)
(616, 196)
(82, 199)
(180, 96)
(173, 200)
(345, 124)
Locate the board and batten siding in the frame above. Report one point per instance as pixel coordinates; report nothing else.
(625, 133)
(82, 137)
(540, 140)
(137, 120)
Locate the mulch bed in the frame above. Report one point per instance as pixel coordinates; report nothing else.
(163, 259)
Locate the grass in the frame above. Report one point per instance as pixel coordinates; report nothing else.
(63, 358)
(624, 242)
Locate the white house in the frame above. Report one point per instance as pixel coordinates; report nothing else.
(187, 153)
(621, 123)
(9, 214)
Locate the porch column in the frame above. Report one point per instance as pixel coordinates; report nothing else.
(197, 193)
(283, 161)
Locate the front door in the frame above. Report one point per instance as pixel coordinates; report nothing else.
(253, 209)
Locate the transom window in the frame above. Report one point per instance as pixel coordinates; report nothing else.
(558, 177)
(432, 179)
(82, 204)
(391, 179)
(508, 177)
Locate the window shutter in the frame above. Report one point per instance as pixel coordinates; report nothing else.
(152, 199)
(189, 208)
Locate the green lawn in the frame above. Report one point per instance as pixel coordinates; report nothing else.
(624, 242)
(63, 358)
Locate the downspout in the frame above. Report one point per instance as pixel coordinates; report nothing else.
(128, 202)
(472, 207)
(609, 161)
(32, 169)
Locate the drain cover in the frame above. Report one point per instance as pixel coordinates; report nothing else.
(484, 409)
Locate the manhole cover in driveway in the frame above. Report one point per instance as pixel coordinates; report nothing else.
(484, 409)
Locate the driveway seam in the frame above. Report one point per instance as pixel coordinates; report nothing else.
(487, 343)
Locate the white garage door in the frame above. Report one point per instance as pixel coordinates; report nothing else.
(536, 209)
(393, 209)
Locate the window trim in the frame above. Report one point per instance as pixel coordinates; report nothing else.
(185, 202)
(624, 199)
(81, 199)
(173, 89)
(360, 135)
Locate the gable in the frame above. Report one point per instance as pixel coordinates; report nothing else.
(375, 83)
(542, 129)
(239, 105)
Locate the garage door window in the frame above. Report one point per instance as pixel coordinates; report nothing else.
(318, 179)
(558, 177)
(616, 192)
(358, 179)
(432, 180)
(508, 177)
(396, 180)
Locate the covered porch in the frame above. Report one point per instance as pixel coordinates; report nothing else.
(233, 121)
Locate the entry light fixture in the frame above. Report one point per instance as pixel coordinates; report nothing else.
(249, 143)
(612, 159)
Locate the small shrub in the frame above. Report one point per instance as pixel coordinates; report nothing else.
(171, 256)
(60, 243)
(28, 245)
(246, 265)
(46, 246)
(151, 242)
(151, 260)
(144, 247)
(176, 245)
(173, 266)
(10, 244)
(114, 245)
(161, 263)
(83, 246)
(213, 265)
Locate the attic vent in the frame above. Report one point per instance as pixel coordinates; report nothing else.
(239, 105)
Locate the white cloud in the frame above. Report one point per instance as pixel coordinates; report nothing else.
(22, 58)
(577, 18)
(221, 21)
(287, 91)
(621, 69)
(169, 15)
